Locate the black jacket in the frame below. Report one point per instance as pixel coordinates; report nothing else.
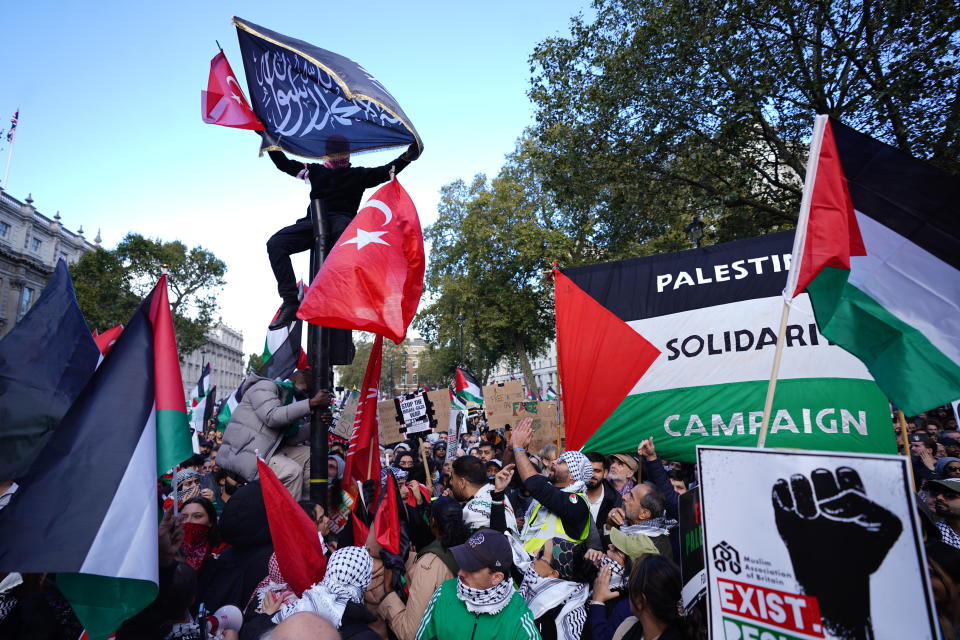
(231, 578)
(573, 511)
(340, 189)
(611, 500)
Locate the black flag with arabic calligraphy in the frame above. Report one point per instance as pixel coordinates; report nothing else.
(314, 102)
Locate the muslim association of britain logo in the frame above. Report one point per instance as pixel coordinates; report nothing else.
(476, 540)
(726, 558)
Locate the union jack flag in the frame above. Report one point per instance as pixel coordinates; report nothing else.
(13, 126)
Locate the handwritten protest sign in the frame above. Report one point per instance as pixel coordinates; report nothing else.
(414, 410)
(440, 401)
(390, 427)
(344, 426)
(546, 422)
(498, 402)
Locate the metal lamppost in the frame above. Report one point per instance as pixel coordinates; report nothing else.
(406, 373)
(393, 382)
(695, 230)
(460, 321)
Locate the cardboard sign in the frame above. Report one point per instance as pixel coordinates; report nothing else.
(440, 401)
(804, 544)
(348, 413)
(498, 402)
(415, 412)
(390, 428)
(546, 423)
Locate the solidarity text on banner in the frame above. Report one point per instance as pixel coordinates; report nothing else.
(713, 314)
(803, 544)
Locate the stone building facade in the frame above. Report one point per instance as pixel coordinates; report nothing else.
(30, 245)
(224, 351)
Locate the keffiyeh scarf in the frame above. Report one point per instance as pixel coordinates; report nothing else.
(349, 572)
(274, 583)
(476, 513)
(618, 577)
(545, 594)
(653, 527)
(492, 600)
(580, 470)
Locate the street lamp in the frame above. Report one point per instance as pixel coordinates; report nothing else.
(695, 230)
(460, 321)
(405, 372)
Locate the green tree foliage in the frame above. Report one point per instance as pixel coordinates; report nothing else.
(110, 285)
(660, 108)
(491, 248)
(254, 362)
(391, 370)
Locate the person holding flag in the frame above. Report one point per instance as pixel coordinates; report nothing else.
(340, 188)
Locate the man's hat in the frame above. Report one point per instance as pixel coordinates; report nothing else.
(926, 440)
(485, 548)
(627, 459)
(634, 545)
(953, 484)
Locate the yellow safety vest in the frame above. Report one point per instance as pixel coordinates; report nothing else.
(536, 532)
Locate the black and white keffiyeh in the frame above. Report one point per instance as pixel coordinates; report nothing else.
(580, 470)
(618, 575)
(476, 513)
(491, 601)
(348, 575)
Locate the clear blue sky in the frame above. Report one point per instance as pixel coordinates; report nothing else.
(110, 132)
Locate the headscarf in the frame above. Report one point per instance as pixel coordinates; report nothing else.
(580, 470)
(340, 465)
(545, 594)
(349, 572)
(274, 582)
(182, 476)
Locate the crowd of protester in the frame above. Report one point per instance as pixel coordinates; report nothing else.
(499, 542)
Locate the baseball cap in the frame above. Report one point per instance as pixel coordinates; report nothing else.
(926, 440)
(633, 545)
(626, 459)
(953, 484)
(485, 548)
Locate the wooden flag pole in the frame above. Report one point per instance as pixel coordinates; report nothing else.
(906, 445)
(426, 469)
(774, 374)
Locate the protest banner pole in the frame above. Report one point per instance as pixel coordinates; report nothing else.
(426, 468)
(319, 356)
(906, 445)
(819, 125)
(774, 374)
(176, 506)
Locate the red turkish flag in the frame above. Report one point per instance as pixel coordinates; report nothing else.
(373, 277)
(363, 452)
(223, 102)
(107, 339)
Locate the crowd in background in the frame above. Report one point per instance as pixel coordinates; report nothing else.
(507, 542)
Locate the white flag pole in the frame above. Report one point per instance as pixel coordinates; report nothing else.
(798, 241)
(6, 170)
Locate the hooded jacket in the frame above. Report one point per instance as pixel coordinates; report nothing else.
(232, 578)
(259, 424)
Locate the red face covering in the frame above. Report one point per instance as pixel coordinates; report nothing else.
(196, 544)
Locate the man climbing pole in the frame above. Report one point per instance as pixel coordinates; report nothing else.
(340, 188)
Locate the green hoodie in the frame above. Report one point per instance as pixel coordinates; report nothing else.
(514, 622)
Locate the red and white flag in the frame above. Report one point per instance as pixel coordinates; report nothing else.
(223, 102)
(373, 277)
(363, 452)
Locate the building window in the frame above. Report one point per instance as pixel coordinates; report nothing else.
(64, 256)
(414, 364)
(26, 297)
(4, 229)
(35, 244)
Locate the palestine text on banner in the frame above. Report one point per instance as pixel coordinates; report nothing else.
(878, 251)
(335, 97)
(813, 545)
(712, 313)
(88, 508)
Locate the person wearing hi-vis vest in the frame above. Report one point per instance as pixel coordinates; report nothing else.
(560, 509)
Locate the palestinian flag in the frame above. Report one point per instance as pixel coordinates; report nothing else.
(550, 395)
(283, 349)
(88, 508)
(227, 408)
(456, 404)
(878, 252)
(468, 388)
(203, 386)
(198, 404)
(680, 346)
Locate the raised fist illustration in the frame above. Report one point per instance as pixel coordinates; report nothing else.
(836, 537)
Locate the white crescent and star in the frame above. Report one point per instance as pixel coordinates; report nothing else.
(364, 237)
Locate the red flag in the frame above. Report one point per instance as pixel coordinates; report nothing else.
(223, 102)
(294, 534)
(373, 277)
(599, 356)
(106, 340)
(363, 452)
(386, 522)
